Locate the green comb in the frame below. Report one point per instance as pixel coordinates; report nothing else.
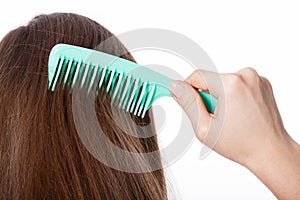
(134, 86)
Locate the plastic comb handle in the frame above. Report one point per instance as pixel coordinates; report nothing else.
(210, 101)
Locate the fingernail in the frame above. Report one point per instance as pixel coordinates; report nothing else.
(177, 89)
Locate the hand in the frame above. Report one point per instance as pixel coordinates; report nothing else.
(246, 118)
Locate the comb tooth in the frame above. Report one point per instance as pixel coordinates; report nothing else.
(85, 74)
(76, 73)
(132, 94)
(113, 84)
(140, 99)
(128, 93)
(149, 98)
(98, 77)
(125, 90)
(57, 73)
(117, 87)
(102, 76)
(136, 93)
(142, 104)
(110, 80)
(68, 70)
(93, 78)
(121, 89)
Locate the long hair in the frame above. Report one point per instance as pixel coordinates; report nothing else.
(41, 153)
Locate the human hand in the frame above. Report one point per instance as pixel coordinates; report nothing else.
(246, 117)
(246, 126)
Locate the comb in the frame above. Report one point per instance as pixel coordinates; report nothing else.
(131, 86)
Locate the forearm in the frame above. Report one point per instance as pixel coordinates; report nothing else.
(252, 131)
(279, 168)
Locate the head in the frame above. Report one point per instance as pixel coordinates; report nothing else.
(41, 152)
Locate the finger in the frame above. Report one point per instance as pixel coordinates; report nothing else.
(189, 99)
(249, 75)
(267, 84)
(206, 81)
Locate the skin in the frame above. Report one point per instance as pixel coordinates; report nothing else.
(250, 128)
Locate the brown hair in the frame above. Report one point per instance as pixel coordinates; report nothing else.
(41, 154)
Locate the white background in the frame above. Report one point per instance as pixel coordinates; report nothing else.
(235, 34)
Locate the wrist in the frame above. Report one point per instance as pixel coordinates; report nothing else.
(279, 147)
(278, 166)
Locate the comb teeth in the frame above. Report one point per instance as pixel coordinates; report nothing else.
(128, 93)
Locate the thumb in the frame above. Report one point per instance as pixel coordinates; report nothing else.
(189, 99)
